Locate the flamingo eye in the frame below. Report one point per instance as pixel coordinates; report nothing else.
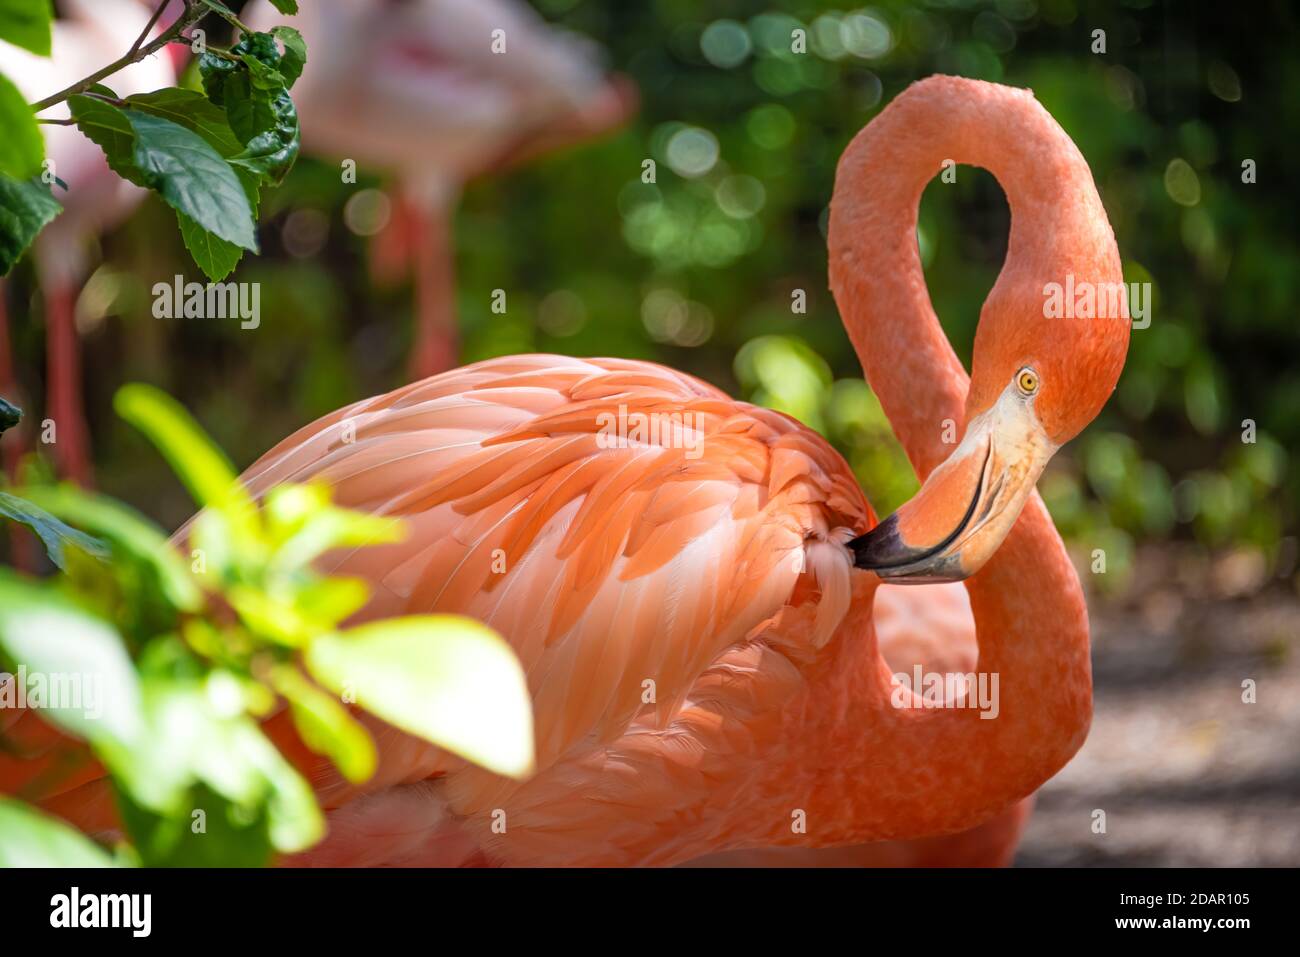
(1027, 381)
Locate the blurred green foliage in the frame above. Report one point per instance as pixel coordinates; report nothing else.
(169, 662)
(696, 270)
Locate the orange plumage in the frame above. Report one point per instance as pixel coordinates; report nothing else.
(693, 603)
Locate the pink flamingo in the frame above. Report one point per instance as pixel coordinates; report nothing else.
(689, 581)
(416, 90)
(929, 626)
(96, 200)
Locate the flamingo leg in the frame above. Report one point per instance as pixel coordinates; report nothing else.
(63, 389)
(435, 348)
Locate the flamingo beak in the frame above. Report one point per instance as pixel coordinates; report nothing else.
(967, 505)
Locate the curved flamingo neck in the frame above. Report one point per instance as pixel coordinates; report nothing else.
(1058, 226)
(891, 772)
(866, 769)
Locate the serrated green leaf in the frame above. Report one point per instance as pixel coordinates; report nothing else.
(108, 128)
(29, 838)
(294, 57)
(192, 110)
(254, 93)
(445, 678)
(25, 207)
(248, 106)
(22, 148)
(111, 129)
(53, 533)
(212, 254)
(26, 24)
(193, 178)
(287, 7)
(214, 71)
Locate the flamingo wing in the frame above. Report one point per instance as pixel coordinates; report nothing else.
(619, 523)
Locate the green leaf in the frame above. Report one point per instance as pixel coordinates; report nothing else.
(199, 735)
(53, 533)
(255, 95)
(326, 726)
(272, 153)
(108, 128)
(29, 838)
(270, 618)
(294, 57)
(129, 533)
(305, 524)
(195, 459)
(212, 254)
(22, 148)
(231, 836)
(192, 110)
(331, 600)
(10, 415)
(193, 178)
(25, 207)
(287, 7)
(49, 635)
(450, 680)
(26, 24)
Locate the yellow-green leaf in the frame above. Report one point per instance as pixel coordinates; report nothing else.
(448, 679)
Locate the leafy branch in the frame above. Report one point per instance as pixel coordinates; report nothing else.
(195, 10)
(191, 651)
(206, 154)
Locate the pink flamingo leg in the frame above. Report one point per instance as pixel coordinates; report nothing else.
(63, 396)
(436, 347)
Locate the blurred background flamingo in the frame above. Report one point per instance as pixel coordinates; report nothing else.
(91, 34)
(435, 93)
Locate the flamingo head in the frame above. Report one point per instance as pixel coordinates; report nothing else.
(1040, 373)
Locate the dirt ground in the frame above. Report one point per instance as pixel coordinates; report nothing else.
(1185, 771)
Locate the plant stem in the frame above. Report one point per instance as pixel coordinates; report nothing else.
(194, 12)
(144, 34)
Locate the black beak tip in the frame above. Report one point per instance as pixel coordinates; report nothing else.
(882, 547)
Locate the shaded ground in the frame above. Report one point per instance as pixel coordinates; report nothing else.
(1186, 773)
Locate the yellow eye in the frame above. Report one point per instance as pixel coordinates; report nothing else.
(1027, 381)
